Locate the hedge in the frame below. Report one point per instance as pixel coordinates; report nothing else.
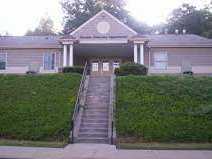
(131, 69)
(165, 109)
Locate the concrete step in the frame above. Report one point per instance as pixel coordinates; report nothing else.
(93, 135)
(93, 108)
(99, 120)
(96, 111)
(89, 130)
(94, 125)
(95, 117)
(92, 140)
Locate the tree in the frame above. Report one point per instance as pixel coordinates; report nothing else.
(193, 20)
(46, 27)
(79, 11)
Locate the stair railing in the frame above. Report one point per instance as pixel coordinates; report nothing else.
(78, 104)
(112, 109)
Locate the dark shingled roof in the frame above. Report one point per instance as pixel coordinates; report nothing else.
(29, 42)
(165, 40)
(178, 40)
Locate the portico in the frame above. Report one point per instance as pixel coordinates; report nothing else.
(108, 52)
(104, 42)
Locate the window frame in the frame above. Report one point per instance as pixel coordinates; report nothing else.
(95, 66)
(105, 64)
(160, 61)
(54, 66)
(4, 53)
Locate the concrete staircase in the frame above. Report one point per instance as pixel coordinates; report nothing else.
(95, 118)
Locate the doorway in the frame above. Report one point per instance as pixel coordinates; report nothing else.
(103, 67)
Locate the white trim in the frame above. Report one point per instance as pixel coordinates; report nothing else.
(71, 55)
(135, 53)
(68, 43)
(65, 52)
(114, 18)
(105, 41)
(141, 54)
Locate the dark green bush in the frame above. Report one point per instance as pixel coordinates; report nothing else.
(188, 73)
(75, 69)
(131, 69)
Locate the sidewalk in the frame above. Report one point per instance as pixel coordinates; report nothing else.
(97, 151)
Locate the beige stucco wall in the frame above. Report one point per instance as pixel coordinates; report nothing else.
(200, 59)
(19, 60)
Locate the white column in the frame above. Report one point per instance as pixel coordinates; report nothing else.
(64, 55)
(71, 57)
(141, 54)
(135, 53)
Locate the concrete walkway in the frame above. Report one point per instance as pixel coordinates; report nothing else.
(97, 151)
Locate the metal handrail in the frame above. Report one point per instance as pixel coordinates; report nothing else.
(77, 104)
(112, 109)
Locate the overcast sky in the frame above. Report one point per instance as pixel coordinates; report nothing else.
(17, 16)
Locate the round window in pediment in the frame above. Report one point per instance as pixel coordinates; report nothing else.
(103, 27)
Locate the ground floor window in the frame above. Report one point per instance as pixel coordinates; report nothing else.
(161, 60)
(3, 60)
(49, 61)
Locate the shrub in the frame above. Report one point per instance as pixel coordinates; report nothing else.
(31, 72)
(188, 73)
(131, 69)
(75, 69)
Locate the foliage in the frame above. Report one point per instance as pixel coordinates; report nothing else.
(131, 69)
(75, 69)
(79, 11)
(45, 28)
(37, 108)
(165, 109)
(189, 18)
(188, 73)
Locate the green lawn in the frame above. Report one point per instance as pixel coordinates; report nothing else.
(164, 109)
(37, 108)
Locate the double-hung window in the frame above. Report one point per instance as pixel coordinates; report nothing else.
(161, 60)
(3, 60)
(49, 61)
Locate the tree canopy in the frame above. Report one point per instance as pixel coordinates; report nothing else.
(79, 11)
(195, 21)
(45, 27)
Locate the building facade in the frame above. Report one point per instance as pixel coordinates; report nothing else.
(105, 42)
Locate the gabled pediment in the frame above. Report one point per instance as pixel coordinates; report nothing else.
(103, 24)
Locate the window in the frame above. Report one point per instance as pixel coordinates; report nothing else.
(49, 61)
(161, 60)
(3, 58)
(95, 67)
(106, 66)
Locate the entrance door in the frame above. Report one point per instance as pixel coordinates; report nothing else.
(102, 67)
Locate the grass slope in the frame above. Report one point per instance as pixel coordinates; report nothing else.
(164, 109)
(37, 108)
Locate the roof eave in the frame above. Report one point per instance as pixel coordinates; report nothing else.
(181, 46)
